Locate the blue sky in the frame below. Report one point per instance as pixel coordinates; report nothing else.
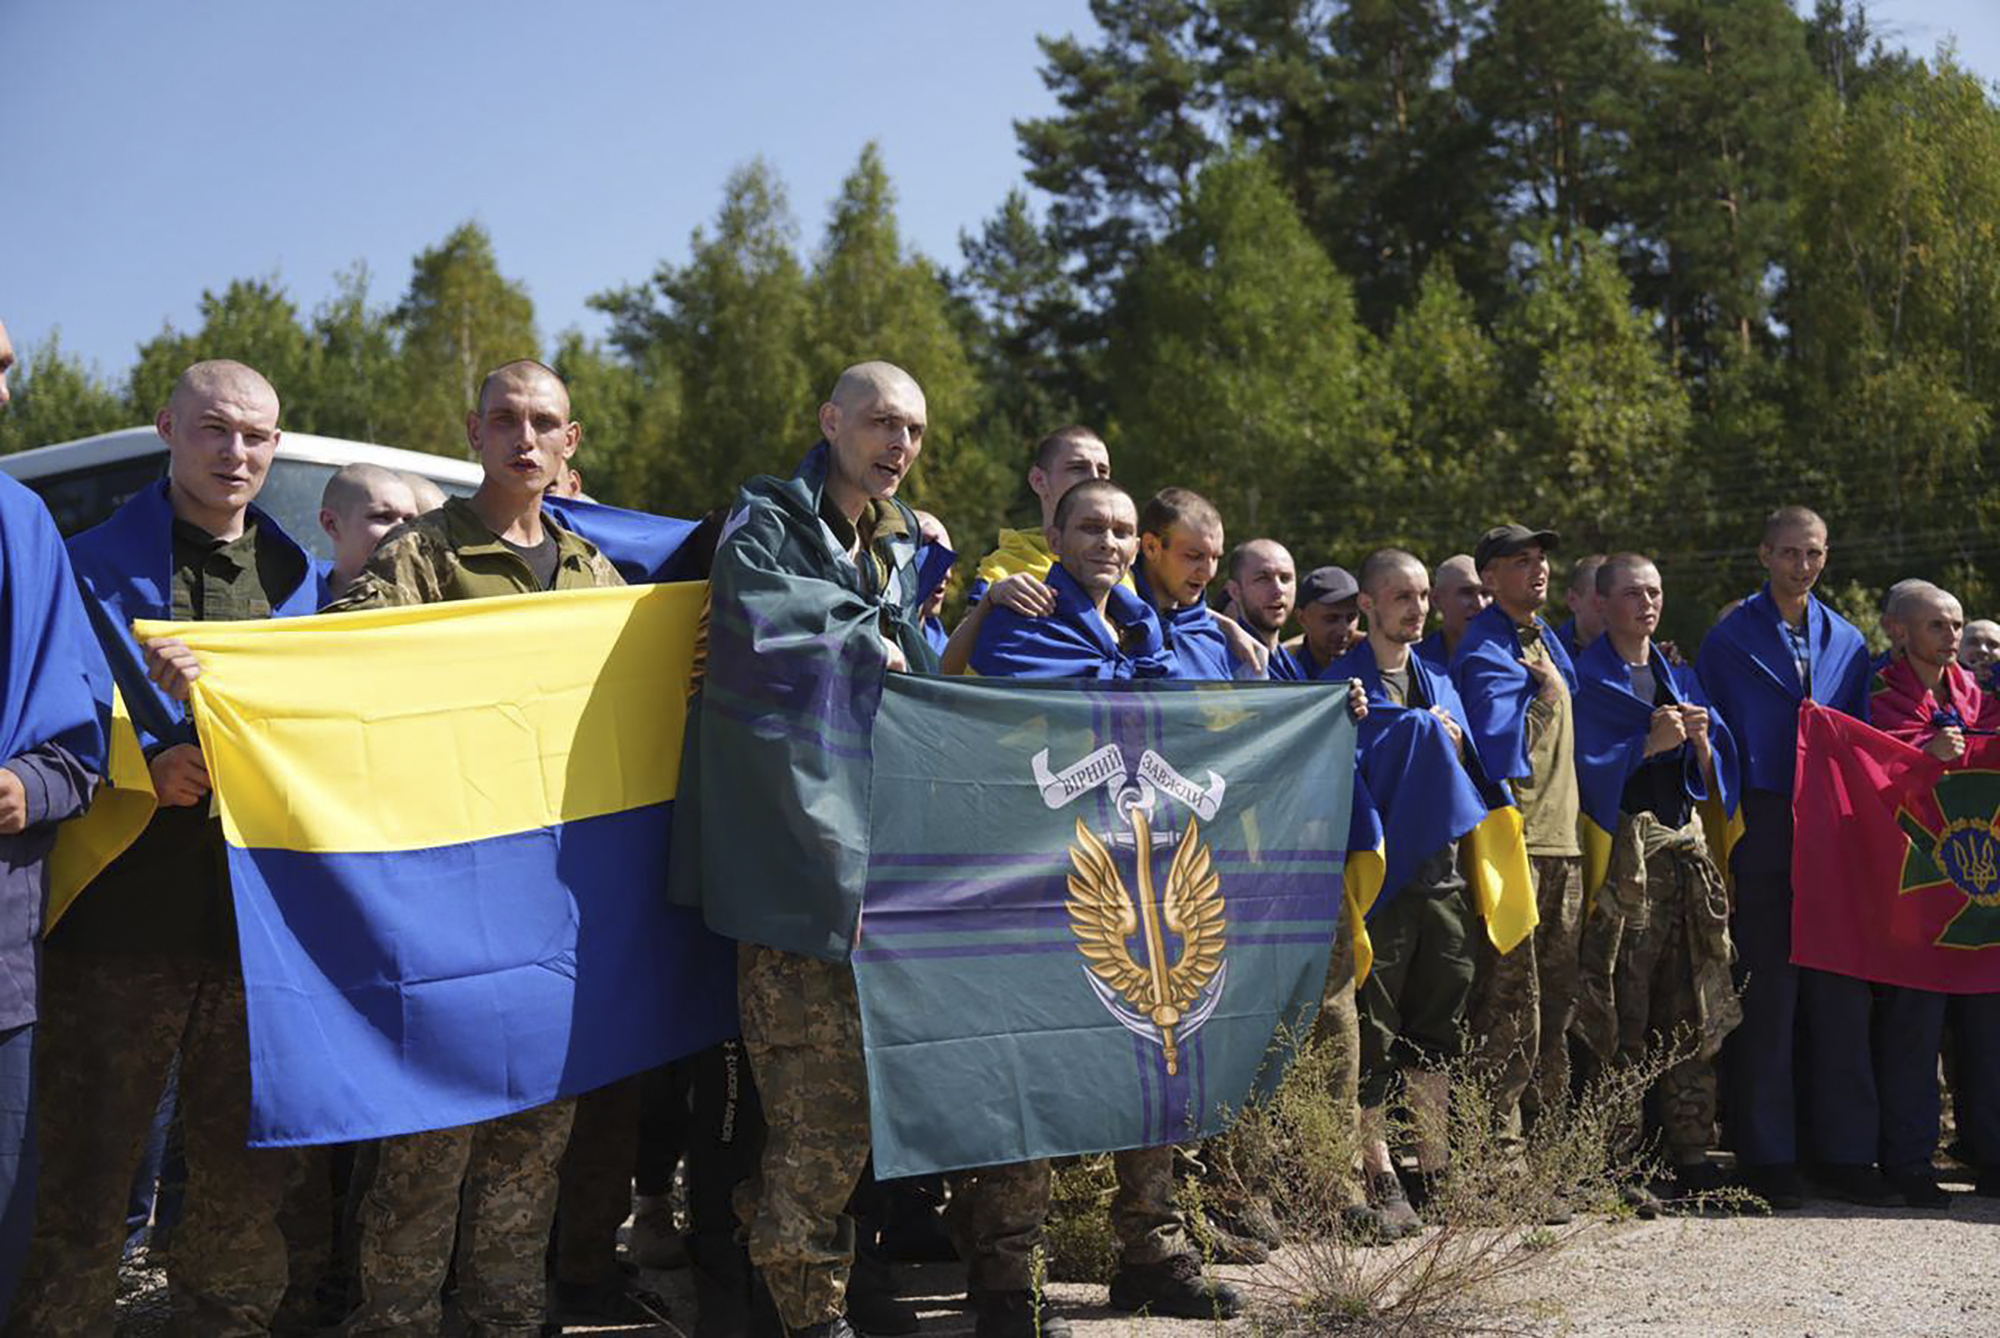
(157, 149)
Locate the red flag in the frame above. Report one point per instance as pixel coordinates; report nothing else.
(1895, 858)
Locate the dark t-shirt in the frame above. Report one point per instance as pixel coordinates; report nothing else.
(541, 558)
(1658, 785)
(169, 893)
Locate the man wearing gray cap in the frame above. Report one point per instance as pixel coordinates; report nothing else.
(1515, 680)
(1330, 614)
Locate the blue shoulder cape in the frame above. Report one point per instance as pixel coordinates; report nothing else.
(1611, 727)
(645, 548)
(1432, 652)
(1191, 635)
(56, 687)
(1410, 767)
(1746, 668)
(1496, 688)
(126, 569)
(1072, 642)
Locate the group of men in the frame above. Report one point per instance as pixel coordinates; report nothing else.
(1594, 727)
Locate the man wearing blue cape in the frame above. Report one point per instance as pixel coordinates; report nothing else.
(1422, 928)
(146, 961)
(1516, 681)
(1180, 550)
(814, 596)
(55, 702)
(1778, 648)
(1650, 752)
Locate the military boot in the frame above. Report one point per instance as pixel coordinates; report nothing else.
(872, 1306)
(1176, 1287)
(730, 1300)
(1022, 1314)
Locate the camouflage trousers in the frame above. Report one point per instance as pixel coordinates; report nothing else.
(110, 1026)
(1523, 1001)
(1655, 958)
(504, 1173)
(997, 1214)
(1338, 1029)
(595, 1194)
(802, 1029)
(996, 1218)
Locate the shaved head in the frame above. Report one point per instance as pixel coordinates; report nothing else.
(1792, 517)
(357, 482)
(866, 382)
(525, 371)
(1609, 569)
(218, 378)
(1384, 563)
(425, 489)
(1455, 571)
(1910, 598)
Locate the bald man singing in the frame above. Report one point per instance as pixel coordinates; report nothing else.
(814, 579)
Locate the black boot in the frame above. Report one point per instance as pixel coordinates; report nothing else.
(1022, 1314)
(872, 1306)
(730, 1300)
(1176, 1287)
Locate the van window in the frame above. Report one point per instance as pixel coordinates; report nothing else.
(80, 498)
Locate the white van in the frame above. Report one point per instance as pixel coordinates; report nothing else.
(84, 481)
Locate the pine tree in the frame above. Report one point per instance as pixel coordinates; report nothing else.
(459, 319)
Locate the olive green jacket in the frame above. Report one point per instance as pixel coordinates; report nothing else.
(450, 554)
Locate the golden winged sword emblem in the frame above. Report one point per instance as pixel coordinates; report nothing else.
(1171, 995)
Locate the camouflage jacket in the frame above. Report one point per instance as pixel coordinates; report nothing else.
(450, 554)
(1653, 866)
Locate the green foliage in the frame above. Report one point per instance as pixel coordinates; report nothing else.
(1235, 365)
(730, 329)
(252, 321)
(459, 319)
(56, 398)
(1364, 271)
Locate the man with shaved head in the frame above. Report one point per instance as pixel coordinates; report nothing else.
(814, 581)
(1924, 697)
(1264, 585)
(1412, 1007)
(361, 504)
(1979, 650)
(1804, 1033)
(1586, 620)
(500, 1174)
(1459, 596)
(1656, 949)
(146, 962)
(429, 496)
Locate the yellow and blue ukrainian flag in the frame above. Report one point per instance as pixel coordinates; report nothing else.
(448, 834)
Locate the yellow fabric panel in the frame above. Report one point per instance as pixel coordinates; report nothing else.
(443, 723)
(1503, 887)
(1723, 831)
(120, 810)
(1596, 858)
(1363, 875)
(1024, 551)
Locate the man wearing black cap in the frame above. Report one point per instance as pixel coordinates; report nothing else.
(1515, 680)
(1330, 614)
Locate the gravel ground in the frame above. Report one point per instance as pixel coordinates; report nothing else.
(1826, 1272)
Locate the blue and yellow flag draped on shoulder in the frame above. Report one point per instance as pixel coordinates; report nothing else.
(1496, 688)
(773, 841)
(54, 686)
(1429, 793)
(125, 567)
(1612, 724)
(448, 832)
(1137, 881)
(1748, 670)
(1072, 641)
